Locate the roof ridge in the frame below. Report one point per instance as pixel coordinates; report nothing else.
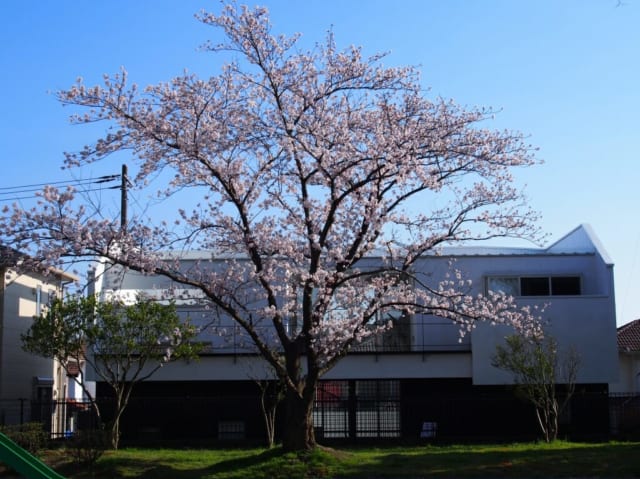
(628, 325)
(629, 336)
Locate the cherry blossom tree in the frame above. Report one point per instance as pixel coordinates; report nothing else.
(305, 166)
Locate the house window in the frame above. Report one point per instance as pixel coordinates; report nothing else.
(565, 285)
(536, 285)
(507, 285)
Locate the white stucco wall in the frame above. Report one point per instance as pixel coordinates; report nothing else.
(387, 366)
(18, 367)
(585, 322)
(629, 380)
(580, 323)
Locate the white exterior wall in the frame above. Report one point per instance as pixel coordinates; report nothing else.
(585, 322)
(18, 367)
(579, 323)
(361, 366)
(629, 380)
(23, 376)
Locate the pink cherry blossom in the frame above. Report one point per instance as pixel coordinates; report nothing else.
(323, 178)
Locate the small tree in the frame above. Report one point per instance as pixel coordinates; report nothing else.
(122, 344)
(272, 393)
(537, 367)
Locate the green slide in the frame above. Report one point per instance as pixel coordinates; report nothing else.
(24, 462)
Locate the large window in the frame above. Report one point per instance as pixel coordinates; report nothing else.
(535, 285)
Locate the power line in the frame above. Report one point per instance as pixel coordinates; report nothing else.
(18, 190)
(17, 198)
(99, 179)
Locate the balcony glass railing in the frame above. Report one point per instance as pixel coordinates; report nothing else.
(426, 335)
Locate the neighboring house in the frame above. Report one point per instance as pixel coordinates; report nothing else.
(629, 354)
(415, 379)
(28, 383)
(625, 403)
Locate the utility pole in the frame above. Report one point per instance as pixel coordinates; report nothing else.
(123, 198)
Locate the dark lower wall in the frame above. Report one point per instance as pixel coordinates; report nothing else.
(463, 411)
(187, 410)
(191, 410)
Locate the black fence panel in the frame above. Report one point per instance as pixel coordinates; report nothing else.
(351, 411)
(625, 415)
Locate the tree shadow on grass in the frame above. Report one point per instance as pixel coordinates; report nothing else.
(616, 460)
(273, 463)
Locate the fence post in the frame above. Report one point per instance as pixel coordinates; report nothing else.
(352, 406)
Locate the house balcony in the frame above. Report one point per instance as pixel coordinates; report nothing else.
(414, 335)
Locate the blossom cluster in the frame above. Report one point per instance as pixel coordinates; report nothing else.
(303, 166)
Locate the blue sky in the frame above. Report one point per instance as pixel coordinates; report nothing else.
(566, 73)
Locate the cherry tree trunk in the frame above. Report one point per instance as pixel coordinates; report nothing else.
(298, 434)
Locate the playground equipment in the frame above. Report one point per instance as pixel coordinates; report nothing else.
(24, 462)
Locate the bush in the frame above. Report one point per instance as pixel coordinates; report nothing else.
(30, 436)
(88, 446)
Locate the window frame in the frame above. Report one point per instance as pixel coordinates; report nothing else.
(534, 277)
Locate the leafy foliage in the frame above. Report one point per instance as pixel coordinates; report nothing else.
(30, 436)
(122, 344)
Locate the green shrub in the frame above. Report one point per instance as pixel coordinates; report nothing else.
(88, 446)
(30, 436)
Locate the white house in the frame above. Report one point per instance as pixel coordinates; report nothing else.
(28, 383)
(417, 375)
(625, 404)
(629, 353)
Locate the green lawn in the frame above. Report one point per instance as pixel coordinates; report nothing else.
(529, 460)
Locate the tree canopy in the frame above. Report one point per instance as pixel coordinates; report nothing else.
(121, 344)
(302, 165)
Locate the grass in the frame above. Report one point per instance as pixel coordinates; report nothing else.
(525, 460)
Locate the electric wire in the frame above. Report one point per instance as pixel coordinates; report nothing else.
(17, 193)
(98, 179)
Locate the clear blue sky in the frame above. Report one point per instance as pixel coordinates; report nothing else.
(566, 73)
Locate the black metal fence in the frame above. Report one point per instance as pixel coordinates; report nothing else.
(344, 411)
(625, 415)
(58, 418)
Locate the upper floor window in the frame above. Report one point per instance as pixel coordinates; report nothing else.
(536, 285)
